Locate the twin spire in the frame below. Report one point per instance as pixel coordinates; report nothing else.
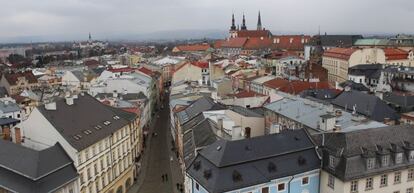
(244, 27)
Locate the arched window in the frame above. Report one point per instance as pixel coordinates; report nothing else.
(128, 183)
(119, 190)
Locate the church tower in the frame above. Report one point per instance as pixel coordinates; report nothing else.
(259, 23)
(233, 29)
(243, 27)
(233, 23)
(90, 37)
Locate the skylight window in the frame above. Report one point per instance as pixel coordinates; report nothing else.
(98, 127)
(107, 123)
(87, 132)
(77, 137)
(116, 117)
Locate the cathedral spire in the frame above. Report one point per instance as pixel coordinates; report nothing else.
(259, 22)
(90, 36)
(233, 23)
(243, 27)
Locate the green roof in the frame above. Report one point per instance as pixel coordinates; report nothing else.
(371, 42)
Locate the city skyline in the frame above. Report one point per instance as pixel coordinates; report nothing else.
(73, 20)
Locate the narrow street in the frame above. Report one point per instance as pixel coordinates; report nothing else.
(161, 160)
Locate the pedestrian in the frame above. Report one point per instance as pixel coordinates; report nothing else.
(166, 177)
(162, 177)
(178, 186)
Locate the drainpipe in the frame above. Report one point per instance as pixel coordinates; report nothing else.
(292, 177)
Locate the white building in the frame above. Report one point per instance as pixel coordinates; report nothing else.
(95, 137)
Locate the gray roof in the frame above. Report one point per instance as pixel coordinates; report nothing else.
(368, 105)
(336, 40)
(198, 106)
(403, 103)
(8, 107)
(290, 152)
(351, 148)
(308, 114)
(3, 92)
(8, 121)
(201, 135)
(85, 114)
(244, 111)
(372, 71)
(79, 75)
(354, 86)
(27, 170)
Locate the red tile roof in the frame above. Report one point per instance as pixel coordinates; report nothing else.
(218, 44)
(253, 33)
(339, 53)
(258, 43)
(91, 63)
(234, 43)
(146, 71)
(13, 77)
(280, 54)
(290, 42)
(296, 86)
(126, 69)
(395, 54)
(193, 47)
(276, 83)
(200, 64)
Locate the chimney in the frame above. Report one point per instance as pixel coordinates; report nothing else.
(6, 133)
(220, 123)
(17, 135)
(69, 100)
(51, 106)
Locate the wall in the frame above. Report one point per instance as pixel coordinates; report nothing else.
(255, 123)
(188, 72)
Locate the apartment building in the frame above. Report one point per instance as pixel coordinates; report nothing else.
(96, 137)
(371, 160)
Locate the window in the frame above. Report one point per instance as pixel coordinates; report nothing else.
(354, 186)
(281, 187)
(107, 160)
(265, 190)
(197, 186)
(305, 180)
(384, 180)
(331, 160)
(409, 190)
(411, 158)
(369, 184)
(398, 158)
(397, 177)
(88, 172)
(396, 192)
(370, 163)
(80, 158)
(331, 181)
(103, 181)
(102, 164)
(87, 154)
(97, 186)
(70, 190)
(410, 176)
(385, 160)
(96, 169)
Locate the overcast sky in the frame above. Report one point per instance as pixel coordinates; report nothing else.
(106, 18)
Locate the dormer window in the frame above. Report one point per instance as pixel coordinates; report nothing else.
(331, 161)
(370, 163)
(398, 158)
(385, 160)
(411, 157)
